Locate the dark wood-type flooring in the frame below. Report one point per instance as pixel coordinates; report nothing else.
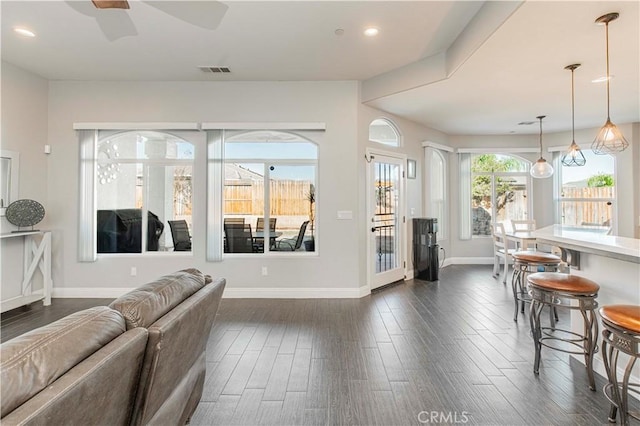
(412, 353)
(20, 320)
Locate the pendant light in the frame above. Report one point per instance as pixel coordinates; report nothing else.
(574, 156)
(609, 139)
(541, 169)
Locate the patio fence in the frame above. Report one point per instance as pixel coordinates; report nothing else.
(288, 198)
(576, 212)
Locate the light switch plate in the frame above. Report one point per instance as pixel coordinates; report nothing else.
(345, 215)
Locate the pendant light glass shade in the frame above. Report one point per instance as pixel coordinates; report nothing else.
(609, 139)
(541, 169)
(574, 156)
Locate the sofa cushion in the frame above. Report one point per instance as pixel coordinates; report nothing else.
(143, 306)
(32, 361)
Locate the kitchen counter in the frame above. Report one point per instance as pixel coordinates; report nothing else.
(612, 262)
(590, 239)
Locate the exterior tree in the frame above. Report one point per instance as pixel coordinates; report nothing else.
(600, 180)
(481, 187)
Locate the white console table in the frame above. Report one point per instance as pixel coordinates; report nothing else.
(37, 255)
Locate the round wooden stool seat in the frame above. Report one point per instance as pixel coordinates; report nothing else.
(623, 316)
(565, 283)
(536, 257)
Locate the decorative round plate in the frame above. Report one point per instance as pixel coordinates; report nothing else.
(25, 212)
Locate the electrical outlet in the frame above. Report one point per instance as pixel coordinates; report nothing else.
(134, 271)
(265, 271)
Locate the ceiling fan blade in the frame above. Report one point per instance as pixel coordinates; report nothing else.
(205, 14)
(114, 23)
(109, 4)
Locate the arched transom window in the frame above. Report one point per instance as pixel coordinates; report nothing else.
(385, 132)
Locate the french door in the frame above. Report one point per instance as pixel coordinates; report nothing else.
(385, 199)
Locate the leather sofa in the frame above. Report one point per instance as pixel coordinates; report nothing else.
(139, 361)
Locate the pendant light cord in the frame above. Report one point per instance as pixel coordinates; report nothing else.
(573, 109)
(606, 29)
(540, 118)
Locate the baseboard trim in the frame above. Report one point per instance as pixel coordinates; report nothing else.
(88, 293)
(296, 293)
(229, 293)
(469, 261)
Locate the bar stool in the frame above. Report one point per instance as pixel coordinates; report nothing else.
(524, 263)
(558, 290)
(621, 334)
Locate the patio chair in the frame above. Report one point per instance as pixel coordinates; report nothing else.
(260, 228)
(272, 224)
(292, 244)
(180, 235)
(234, 220)
(239, 238)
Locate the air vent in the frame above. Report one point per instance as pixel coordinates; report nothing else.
(224, 70)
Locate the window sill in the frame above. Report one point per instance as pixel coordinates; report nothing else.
(272, 254)
(146, 254)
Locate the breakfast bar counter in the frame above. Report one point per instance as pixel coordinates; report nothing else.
(612, 262)
(590, 239)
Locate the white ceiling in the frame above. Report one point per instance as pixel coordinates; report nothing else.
(513, 72)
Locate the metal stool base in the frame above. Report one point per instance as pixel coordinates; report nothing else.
(585, 344)
(519, 285)
(614, 341)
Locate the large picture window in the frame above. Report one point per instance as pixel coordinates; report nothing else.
(499, 191)
(587, 194)
(269, 194)
(144, 192)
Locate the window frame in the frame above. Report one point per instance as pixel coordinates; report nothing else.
(218, 234)
(557, 157)
(443, 222)
(494, 175)
(89, 136)
(394, 128)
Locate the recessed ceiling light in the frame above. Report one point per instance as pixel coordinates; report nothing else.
(25, 32)
(339, 32)
(371, 32)
(602, 79)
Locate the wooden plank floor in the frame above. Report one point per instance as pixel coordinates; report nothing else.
(437, 352)
(448, 349)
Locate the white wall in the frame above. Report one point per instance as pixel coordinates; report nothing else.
(36, 112)
(334, 103)
(24, 130)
